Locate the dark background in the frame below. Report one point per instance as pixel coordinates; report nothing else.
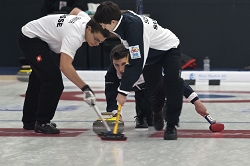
(215, 28)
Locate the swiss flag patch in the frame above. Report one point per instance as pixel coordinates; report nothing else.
(39, 58)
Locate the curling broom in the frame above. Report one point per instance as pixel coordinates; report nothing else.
(115, 136)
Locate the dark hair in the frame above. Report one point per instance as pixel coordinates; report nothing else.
(96, 27)
(118, 52)
(106, 12)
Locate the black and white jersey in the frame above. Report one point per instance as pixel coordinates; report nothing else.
(147, 42)
(62, 32)
(112, 82)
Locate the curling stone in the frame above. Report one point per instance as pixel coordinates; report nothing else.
(24, 73)
(99, 128)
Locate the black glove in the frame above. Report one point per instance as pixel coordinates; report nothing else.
(88, 95)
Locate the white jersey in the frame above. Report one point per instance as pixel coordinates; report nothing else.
(147, 42)
(62, 32)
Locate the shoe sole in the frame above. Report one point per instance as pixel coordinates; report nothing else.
(39, 131)
(170, 137)
(33, 127)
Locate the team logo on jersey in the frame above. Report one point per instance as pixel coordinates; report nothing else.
(39, 58)
(135, 52)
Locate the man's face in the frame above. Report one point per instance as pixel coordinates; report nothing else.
(93, 39)
(120, 65)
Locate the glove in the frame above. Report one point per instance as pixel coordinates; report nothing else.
(88, 96)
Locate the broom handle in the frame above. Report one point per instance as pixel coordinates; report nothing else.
(117, 119)
(101, 117)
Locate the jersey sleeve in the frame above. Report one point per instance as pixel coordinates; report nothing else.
(70, 44)
(83, 14)
(189, 93)
(138, 52)
(112, 82)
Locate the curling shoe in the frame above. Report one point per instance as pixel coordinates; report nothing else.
(46, 128)
(170, 133)
(158, 121)
(31, 126)
(141, 123)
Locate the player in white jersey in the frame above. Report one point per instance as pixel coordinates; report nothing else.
(39, 40)
(152, 48)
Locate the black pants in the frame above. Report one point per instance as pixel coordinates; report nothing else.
(45, 81)
(142, 104)
(173, 84)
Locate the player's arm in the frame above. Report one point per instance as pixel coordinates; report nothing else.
(136, 56)
(200, 108)
(69, 71)
(75, 11)
(79, 12)
(68, 49)
(112, 83)
(189, 93)
(192, 97)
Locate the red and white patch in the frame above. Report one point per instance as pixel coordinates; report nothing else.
(39, 58)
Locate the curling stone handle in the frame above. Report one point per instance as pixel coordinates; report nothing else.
(108, 113)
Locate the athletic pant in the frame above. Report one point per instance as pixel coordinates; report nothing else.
(173, 84)
(45, 81)
(142, 104)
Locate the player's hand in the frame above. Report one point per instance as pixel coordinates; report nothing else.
(200, 108)
(121, 99)
(88, 95)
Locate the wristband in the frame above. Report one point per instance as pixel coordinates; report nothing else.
(85, 88)
(194, 99)
(124, 94)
